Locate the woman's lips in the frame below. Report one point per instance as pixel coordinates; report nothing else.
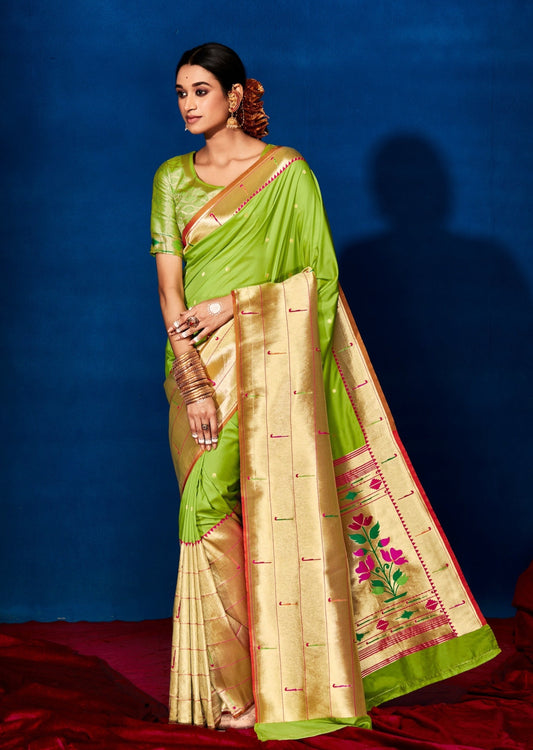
(192, 118)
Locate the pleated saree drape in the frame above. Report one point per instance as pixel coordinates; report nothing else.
(314, 578)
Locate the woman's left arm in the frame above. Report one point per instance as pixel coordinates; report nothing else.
(201, 320)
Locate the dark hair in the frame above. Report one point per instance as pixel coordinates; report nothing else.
(221, 61)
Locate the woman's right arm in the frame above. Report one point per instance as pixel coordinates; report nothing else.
(171, 297)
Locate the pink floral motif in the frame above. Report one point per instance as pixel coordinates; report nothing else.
(365, 568)
(393, 556)
(381, 566)
(382, 625)
(359, 522)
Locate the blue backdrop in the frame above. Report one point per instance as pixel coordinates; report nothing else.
(417, 118)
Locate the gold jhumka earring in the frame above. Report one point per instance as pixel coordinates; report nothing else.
(233, 104)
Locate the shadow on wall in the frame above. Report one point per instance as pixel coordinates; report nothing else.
(447, 320)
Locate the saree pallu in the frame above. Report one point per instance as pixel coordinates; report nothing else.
(314, 578)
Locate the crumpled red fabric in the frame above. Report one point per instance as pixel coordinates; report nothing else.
(53, 698)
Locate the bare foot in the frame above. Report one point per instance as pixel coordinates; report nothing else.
(244, 721)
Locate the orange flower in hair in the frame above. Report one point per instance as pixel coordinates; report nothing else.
(254, 119)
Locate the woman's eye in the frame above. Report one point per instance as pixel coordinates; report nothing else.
(181, 94)
(201, 92)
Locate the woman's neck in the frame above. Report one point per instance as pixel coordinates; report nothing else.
(225, 146)
(225, 157)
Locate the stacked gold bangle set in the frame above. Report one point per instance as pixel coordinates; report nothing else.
(191, 378)
(188, 370)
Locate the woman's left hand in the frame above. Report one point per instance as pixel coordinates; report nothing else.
(201, 320)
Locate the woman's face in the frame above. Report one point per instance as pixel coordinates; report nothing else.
(202, 101)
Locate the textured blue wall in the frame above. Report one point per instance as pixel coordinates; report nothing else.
(417, 118)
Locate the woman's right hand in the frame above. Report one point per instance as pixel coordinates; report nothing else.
(203, 423)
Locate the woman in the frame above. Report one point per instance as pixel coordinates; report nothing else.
(314, 580)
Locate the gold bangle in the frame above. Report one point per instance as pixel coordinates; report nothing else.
(190, 376)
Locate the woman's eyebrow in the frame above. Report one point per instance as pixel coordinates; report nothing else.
(199, 83)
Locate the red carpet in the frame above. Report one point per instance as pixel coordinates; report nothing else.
(65, 686)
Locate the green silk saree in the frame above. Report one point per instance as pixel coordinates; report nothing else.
(314, 578)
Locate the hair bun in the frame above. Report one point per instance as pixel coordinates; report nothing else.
(254, 119)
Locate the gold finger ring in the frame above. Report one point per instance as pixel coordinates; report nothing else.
(192, 321)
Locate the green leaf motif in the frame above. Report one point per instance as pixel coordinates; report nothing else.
(396, 574)
(406, 614)
(359, 538)
(402, 579)
(351, 495)
(374, 531)
(377, 591)
(378, 583)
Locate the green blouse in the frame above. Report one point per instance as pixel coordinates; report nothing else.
(177, 195)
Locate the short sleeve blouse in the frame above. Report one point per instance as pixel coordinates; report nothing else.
(178, 193)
